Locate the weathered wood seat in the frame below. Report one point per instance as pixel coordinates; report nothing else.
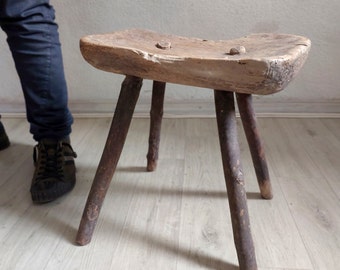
(257, 64)
(268, 64)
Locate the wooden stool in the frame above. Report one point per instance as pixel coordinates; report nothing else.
(257, 64)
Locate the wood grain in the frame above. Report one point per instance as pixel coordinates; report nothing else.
(270, 62)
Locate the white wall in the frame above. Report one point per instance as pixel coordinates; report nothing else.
(316, 89)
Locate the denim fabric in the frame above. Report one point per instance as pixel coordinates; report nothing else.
(33, 38)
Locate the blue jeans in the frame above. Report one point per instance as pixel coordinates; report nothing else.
(33, 38)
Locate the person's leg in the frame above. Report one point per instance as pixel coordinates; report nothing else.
(34, 42)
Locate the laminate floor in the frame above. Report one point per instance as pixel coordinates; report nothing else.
(178, 217)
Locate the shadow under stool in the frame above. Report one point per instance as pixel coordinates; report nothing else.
(258, 64)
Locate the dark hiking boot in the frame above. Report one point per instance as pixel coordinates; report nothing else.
(55, 171)
(4, 141)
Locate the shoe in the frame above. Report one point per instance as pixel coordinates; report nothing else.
(4, 141)
(55, 171)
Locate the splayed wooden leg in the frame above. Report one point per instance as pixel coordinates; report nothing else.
(227, 129)
(156, 115)
(114, 145)
(245, 106)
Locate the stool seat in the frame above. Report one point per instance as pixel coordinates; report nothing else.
(256, 64)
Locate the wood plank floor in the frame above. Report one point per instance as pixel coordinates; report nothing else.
(177, 217)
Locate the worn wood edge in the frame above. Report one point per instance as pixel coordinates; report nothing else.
(268, 74)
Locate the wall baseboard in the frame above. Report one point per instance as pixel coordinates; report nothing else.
(197, 109)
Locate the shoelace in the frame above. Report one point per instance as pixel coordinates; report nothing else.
(51, 158)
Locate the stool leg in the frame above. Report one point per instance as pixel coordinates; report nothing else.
(227, 129)
(114, 145)
(156, 115)
(248, 117)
